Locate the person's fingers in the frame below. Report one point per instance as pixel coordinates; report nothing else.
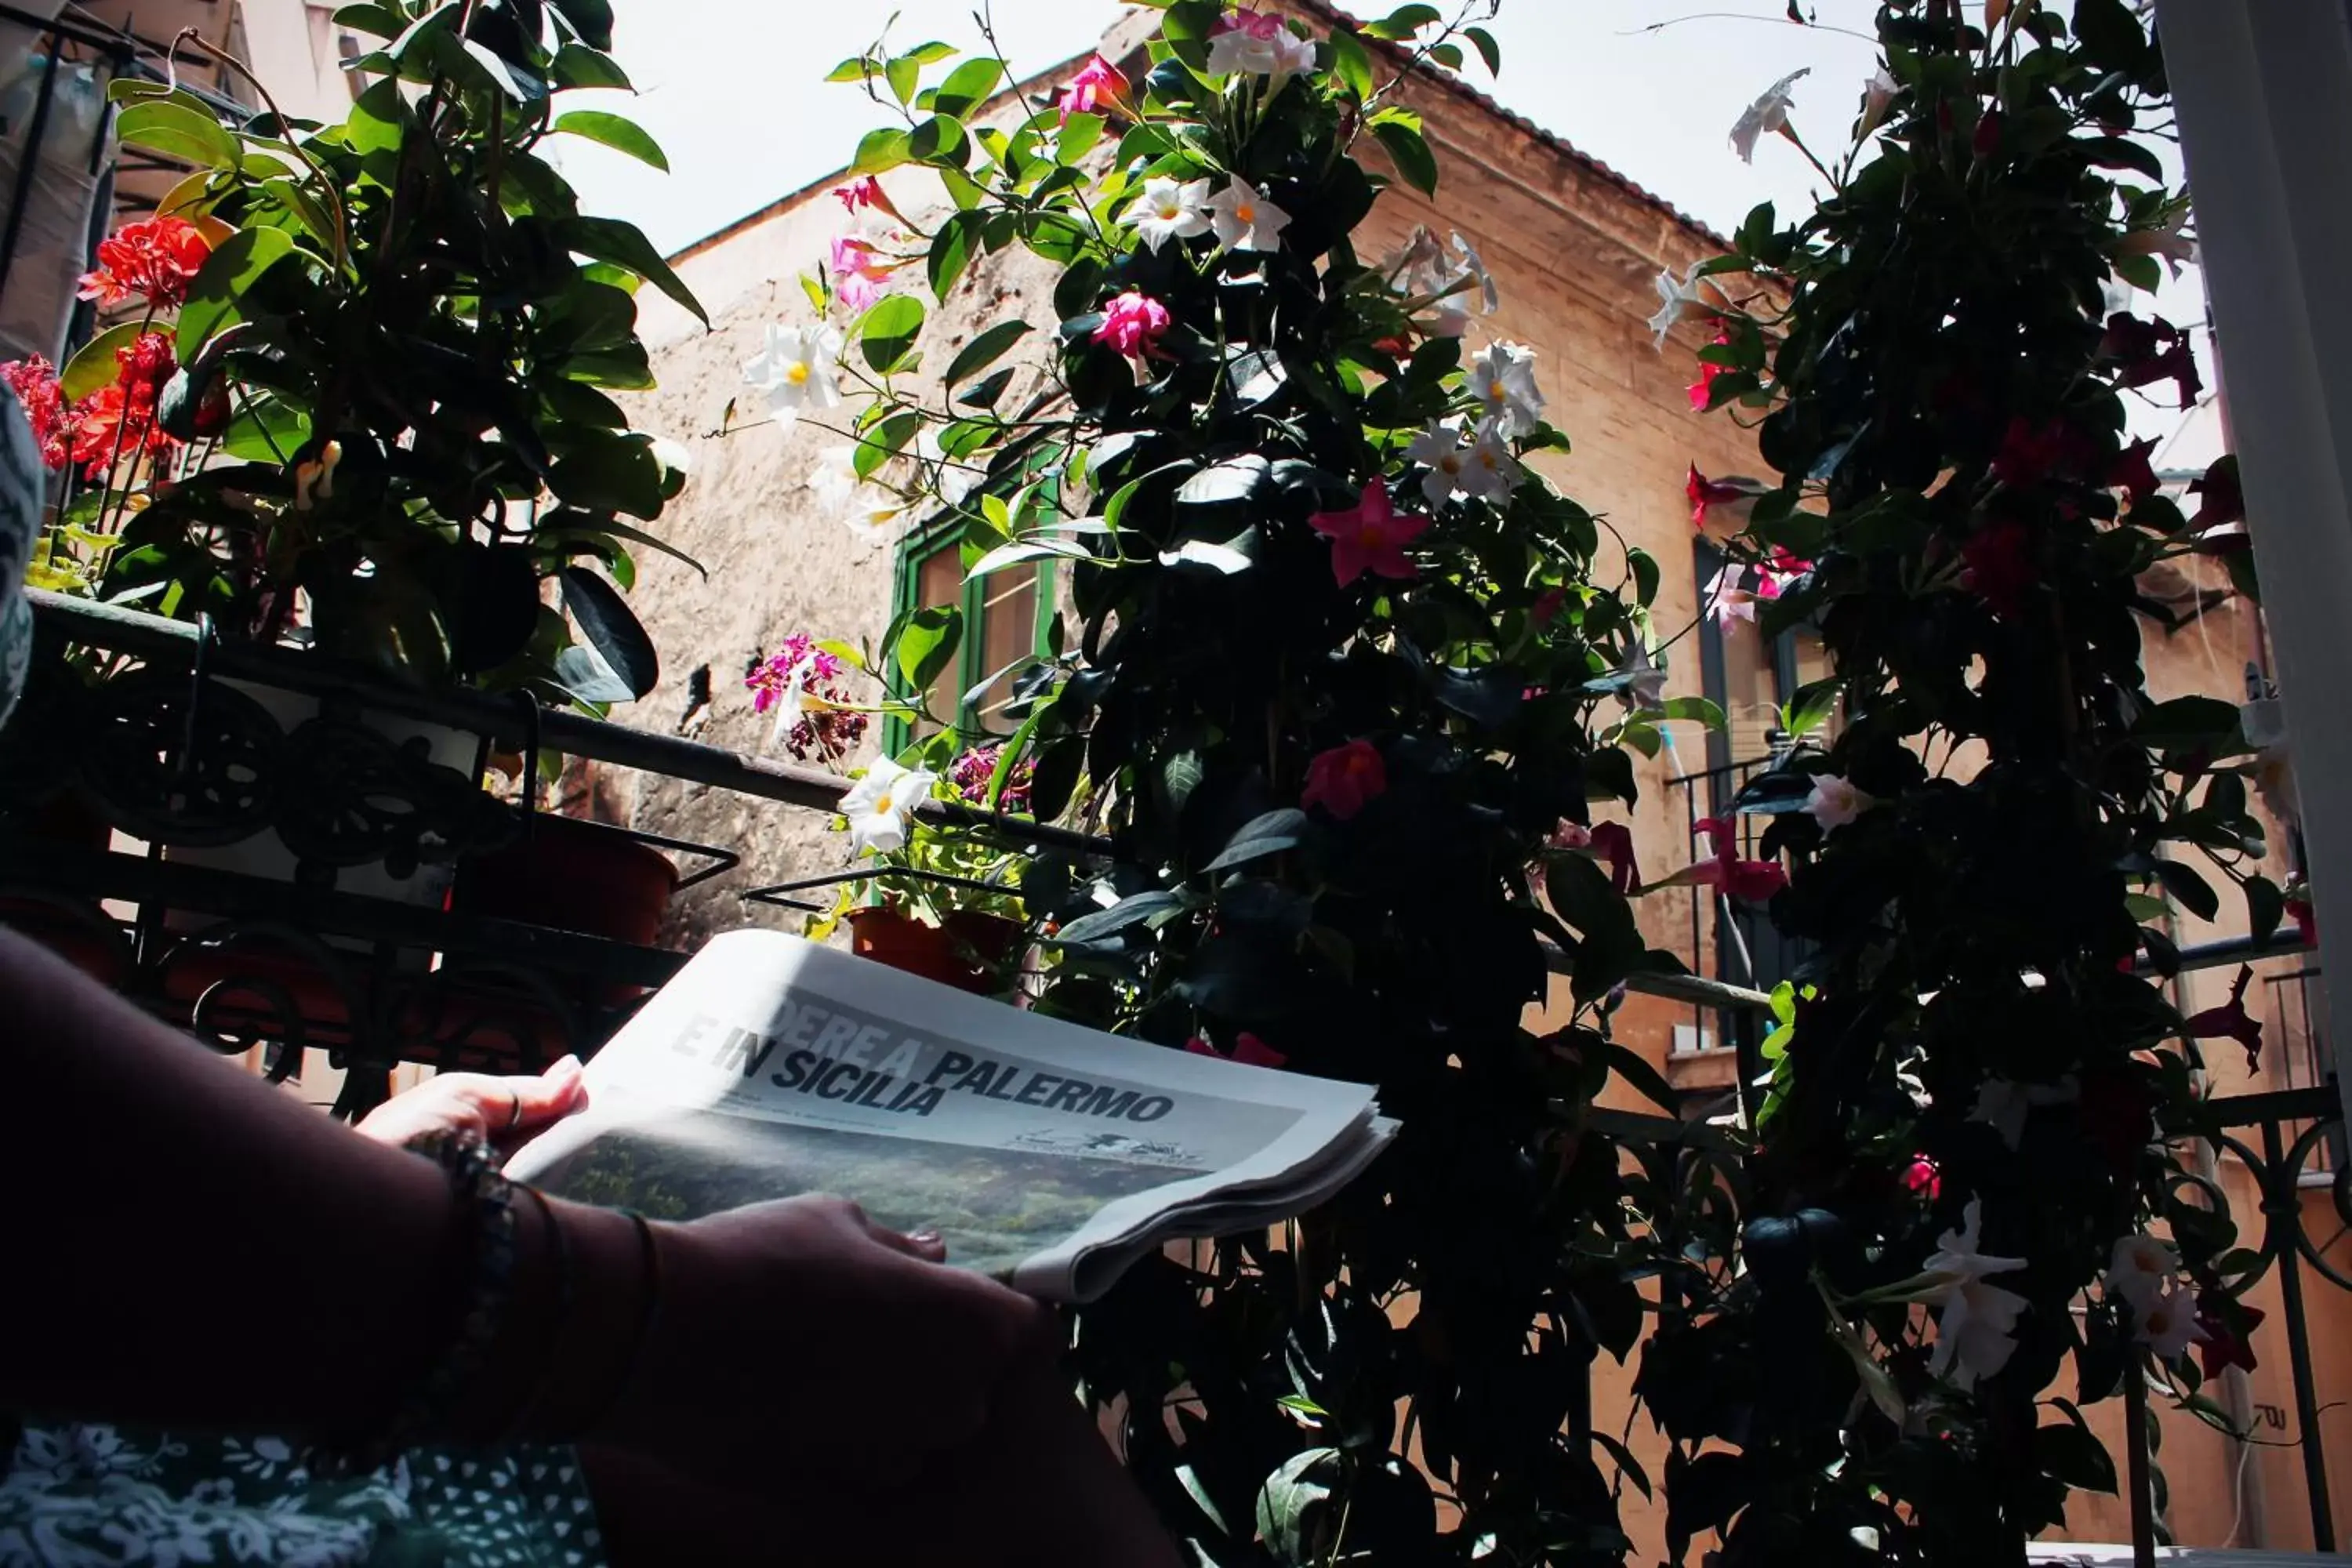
(537, 1102)
(926, 1243)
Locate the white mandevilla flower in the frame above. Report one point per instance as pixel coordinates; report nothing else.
(1260, 45)
(1439, 448)
(1976, 1323)
(2164, 239)
(1766, 115)
(795, 369)
(1170, 209)
(872, 511)
(1834, 802)
(1244, 220)
(879, 805)
(1503, 379)
(2140, 1269)
(2168, 1325)
(1680, 300)
(833, 476)
(1419, 271)
(1726, 599)
(795, 701)
(1490, 472)
(950, 480)
(2003, 1103)
(1877, 94)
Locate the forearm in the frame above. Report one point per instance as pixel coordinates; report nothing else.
(191, 1246)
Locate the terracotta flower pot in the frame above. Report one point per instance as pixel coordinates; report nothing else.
(969, 951)
(572, 875)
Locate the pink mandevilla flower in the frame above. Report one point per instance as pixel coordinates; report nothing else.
(1754, 880)
(827, 730)
(1133, 323)
(1345, 778)
(973, 772)
(1370, 536)
(859, 271)
(2231, 1021)
(1097, 87)
(1923, 1177)
(1248, 1050)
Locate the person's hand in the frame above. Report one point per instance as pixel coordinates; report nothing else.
(800, 1331)
(506, 1112)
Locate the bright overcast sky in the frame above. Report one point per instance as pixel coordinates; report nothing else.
(733, 91)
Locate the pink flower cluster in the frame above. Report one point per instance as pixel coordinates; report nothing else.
(827, 729)
(971, 772)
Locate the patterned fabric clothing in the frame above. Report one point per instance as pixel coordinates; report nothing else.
(98, 1497)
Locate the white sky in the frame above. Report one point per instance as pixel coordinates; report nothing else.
(733, 91)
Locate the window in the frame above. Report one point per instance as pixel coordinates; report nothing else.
(1005, 616)
(1751, 678)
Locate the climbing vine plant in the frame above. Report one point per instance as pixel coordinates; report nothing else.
(1340, 670)
(1966, 1218)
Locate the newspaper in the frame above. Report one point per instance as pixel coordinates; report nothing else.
(1049, 1156)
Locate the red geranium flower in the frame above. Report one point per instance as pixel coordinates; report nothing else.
(34, 383)
(153, 259)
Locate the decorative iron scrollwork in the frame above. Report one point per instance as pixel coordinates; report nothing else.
(173, 771)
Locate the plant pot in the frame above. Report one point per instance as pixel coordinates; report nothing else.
(969, 953)
(567, 874)
(572, 875)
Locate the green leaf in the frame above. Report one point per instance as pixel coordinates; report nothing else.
(221, 284)
(178, 131)
(885, 441)
(856, 68)
(93, 364)
(295, 199)
(2265, 908)
(376, 21)
(1647, 1081)
(1349, 62)
(621, 135)
(950, 252)
(2189, 722)
(570, 523)
(605, 620)
(902, 74)
(1580, 894)
(1694, 708)
(1488, 51)
(578, 66)
(1404, 22)
(1410, 152)
(926, 643)
(2191, 891)
(1447, 55)
(1077, 137)
(2069, 1453)
(1014, 554)
(887, 331)
(1810, 706)
(880, 152)
(266, 431)
(966, 87)
(591, 19)
(611, 473)
(1269, 833)
(932, 52)
(941, 140)
(984, 350)
(624, 246)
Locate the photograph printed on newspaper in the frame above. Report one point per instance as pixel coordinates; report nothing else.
(771, 1067)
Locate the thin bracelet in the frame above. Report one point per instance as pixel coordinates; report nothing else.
(649, 1250)
(566, 1292)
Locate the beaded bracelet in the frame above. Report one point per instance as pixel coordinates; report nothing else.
(487, 1200)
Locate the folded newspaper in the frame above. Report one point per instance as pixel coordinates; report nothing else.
(1049, 1156)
